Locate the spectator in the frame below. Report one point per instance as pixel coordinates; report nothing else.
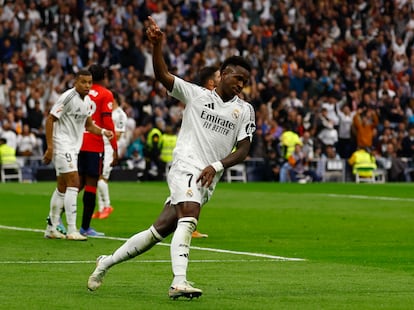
(330, 103)
(168, 142)
(17, 120)
(299, 82)
(292, 101)
(363, 162)
(407, 144)
(272, 166)
(387, 136)
(365, 122)
(7, 153)
(288, 141)
(308, 146)
(26, 142)
(299, 169)
(365, 53)
(152, 151)
(391, 110)
(259, 147)
(327, 134)
(325, 173)
(345, 115)
(394, 166)
(34, 110)
(9, 134)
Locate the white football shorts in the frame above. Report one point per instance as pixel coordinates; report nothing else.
(182, 179)
(65, 162)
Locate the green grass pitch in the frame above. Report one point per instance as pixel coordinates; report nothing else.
(270, 246)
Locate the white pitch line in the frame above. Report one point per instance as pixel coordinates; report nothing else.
(364, 197)
(274, 257)
(291, 259)
(137, 261)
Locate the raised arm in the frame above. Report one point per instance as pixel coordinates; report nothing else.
(156, 37)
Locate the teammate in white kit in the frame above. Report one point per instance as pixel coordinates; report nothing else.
(65, 125)
(214, 121)
(119, 118)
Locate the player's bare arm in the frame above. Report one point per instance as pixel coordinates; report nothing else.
(47, 157)
(156, 37)
(91, 127)
(207, 175)
(115, 159)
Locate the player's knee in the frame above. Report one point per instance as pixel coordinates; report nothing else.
(156, 235)
(189, 223)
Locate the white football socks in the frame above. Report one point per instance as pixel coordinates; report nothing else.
(180, 248)
(56, 207)
(70, 203)
(103, 197)
(134, 246)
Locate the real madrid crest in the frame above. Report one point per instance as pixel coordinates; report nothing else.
(235, 114)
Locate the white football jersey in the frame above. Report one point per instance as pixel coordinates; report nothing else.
(119, 118)
(210, 127)
(71, 111)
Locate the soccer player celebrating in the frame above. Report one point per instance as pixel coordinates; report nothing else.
(213, 122)
(65, 125)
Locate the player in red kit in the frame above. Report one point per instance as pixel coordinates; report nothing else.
(92, 150)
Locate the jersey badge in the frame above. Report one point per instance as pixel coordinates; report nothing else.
(235, 114)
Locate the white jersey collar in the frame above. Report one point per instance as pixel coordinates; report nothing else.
(234, 99)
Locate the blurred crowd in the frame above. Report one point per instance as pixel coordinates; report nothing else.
(336, 73)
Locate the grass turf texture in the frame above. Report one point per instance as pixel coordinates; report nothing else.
(357, 240)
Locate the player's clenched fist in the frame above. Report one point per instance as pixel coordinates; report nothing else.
(154, 32)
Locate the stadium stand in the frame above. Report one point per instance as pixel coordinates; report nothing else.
(319, 66)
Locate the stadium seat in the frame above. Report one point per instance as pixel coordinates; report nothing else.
(11, 172)
(334, 170)
(380, 175)
(364, 175)
(236, 173)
